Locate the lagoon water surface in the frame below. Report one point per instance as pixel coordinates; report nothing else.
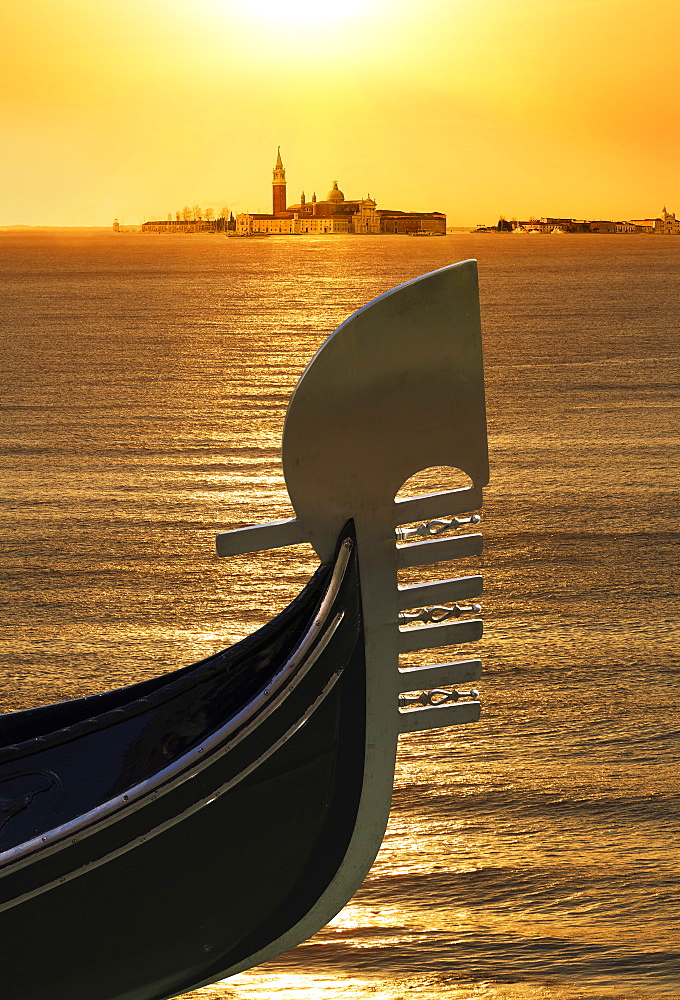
(144, 384)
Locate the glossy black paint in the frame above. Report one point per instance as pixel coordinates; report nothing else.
(64, 759)
(223, 878)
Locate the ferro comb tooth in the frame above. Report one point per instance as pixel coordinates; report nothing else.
(276, 534)
(439, 675)
(433, 636)
(429, 505)
(439, 550)
(419, 595)
(418, 720)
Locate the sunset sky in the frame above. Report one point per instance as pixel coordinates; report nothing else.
(134, 108)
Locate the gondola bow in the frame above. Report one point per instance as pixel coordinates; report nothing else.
(156, 838)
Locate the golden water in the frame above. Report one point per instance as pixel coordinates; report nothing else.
(143, 393)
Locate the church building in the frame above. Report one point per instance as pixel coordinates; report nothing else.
(334, 215)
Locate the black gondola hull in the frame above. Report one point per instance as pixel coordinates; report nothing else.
(181, 888)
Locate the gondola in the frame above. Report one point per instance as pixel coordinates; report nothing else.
(162, 836)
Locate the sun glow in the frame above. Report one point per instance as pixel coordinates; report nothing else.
(316, 11)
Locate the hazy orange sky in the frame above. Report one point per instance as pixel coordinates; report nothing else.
(134, 108)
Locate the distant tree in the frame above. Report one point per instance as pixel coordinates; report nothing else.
(224, 212)
(186, 213)
(197, 213)
(209, 214)
(178, 216)
(169, 216)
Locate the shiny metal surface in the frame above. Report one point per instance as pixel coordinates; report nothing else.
(437, 696)
(437, 526)
(438, 614)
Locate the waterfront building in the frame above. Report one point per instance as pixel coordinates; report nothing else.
(606, 226)
(602, 226)
(336, 214)
(394, 221)
(669, 224)
(550, 224)
(665, 225)
(644, 225)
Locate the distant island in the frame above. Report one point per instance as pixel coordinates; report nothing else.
(665, 224)
(335, 214)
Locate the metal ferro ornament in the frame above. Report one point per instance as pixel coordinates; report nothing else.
(159, 837)
(398, 388)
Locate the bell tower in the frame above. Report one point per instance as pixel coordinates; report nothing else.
(279, 186)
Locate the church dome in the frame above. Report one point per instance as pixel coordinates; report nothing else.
(335, 194)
